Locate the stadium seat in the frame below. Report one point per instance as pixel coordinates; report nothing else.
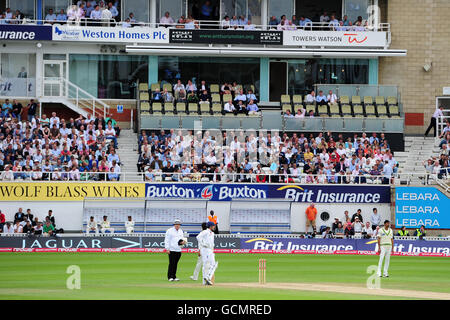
(205, 109)
(391, 101)
(167, 86)
(168, 108)
(370, 111)
(144, 96)
(382, 111)
(155, 86)
(214, 88)
(310, 107)
(216, 107)
(227, 97)
(285, 99)
(286, 107)
(297, 100)
(323, 111)
(334, 110)
(181, 107)
(368, 100)
(145, 106)
(379, 100)
(346, 110)
(143, 87)
(344, 100)
(394, 111)
(193, 108)
(356, 100)
(358, 110)
(157, 107)
(215, 98)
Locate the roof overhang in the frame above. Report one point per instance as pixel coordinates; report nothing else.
(262, 52)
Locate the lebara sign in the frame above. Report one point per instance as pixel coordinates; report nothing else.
(297, 193)
(334, 39)
(416, 206)
(25, 32)
(99, 34)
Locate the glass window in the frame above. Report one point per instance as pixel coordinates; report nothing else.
(55, 5)
(17, 75)
(140, 9)
(211, 69)
(176, 8)
(278, 8)
(304, 74)
(355, 8)
(108, 77)
(18, 65)
(254, 11)
(24, 6)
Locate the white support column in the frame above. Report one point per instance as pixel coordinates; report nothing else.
(39, 72)
(153, 15)
(264, 12)
(376, 18)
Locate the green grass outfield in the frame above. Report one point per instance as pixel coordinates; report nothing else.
(143, 276)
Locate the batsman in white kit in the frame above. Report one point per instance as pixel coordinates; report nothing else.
(199, 264)
(385, 247)
(206, 246)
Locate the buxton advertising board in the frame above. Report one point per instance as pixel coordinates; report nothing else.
(416, 206)
(25, 32)
(226, 36)
(297, 193)
(334, 39)
(111, 35)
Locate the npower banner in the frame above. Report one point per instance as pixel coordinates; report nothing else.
(356, 39)
(297, 193)
(104, 34)
(416, 206)
(68, 191)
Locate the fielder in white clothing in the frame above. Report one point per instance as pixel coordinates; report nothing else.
(129, 225)
(92, 226)
(105, 225)
(199, 264)
(206, 246)
(385, 237)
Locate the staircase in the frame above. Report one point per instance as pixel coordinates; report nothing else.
(65, 92)
(417, 150)
(128, 155)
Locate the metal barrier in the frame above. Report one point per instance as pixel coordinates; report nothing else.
(264, 177)
(205, 24)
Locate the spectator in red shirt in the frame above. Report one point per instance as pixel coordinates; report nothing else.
(2, 220)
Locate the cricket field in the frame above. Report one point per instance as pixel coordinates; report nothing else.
(143, 276)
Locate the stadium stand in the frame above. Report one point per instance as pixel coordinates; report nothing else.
(56, 149)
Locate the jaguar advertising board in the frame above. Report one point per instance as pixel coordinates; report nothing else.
(225, 36)
(98, 242)
(296, 193)
(417, 206)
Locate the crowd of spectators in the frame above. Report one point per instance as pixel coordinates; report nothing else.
(439, 165)
(236, 99)
(324, 158)
(50, 148)
(104, 12)
(28, 223)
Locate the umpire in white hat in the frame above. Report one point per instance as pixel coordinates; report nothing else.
(173, 241)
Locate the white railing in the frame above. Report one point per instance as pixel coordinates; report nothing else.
(62, 88)
(209, 25)
(159, 176)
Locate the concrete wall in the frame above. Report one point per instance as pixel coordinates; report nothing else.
(421, 27)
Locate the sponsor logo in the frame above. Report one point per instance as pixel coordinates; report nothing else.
(207, 192)
(17, 35)
(353, 37)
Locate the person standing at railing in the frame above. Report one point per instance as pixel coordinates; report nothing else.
(433, 122)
